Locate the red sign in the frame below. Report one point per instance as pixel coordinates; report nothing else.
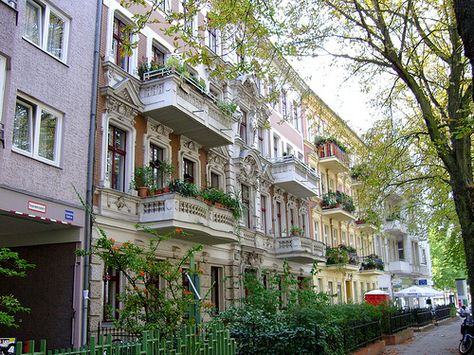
(36, 206)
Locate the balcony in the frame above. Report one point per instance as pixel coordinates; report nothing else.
(342, 257)
(338, 206)
(295, 177)
(371, 265)
(364, 226)
(399, 267)
(395, 227)
(333, 158)
(201, 222)
(181, 104)
(299, 249)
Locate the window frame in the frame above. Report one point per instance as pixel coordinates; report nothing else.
(35, 111)
(243, 134)
(124, 155)
(3, 83)
(246, 202)
(45, 10)
(119, 38)
(185, 164)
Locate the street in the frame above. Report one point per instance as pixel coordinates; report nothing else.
(440, 340)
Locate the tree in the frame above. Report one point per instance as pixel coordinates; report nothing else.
(416, 44)
(155, 296)
(464, 11)
(11, 265)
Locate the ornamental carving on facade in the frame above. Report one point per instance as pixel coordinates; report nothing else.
(120, 110)
(158, 130)
(188, 146)
(253, 259)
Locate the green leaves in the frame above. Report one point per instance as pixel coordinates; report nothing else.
(11, 265)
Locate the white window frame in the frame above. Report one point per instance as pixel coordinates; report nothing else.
(45, 10)
(35, 109)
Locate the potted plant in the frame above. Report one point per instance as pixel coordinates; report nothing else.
(295, 231)
(227, 108)
(184, 188)
(142, 180)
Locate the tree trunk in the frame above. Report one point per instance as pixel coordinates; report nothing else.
(463, 194)
(464, 12)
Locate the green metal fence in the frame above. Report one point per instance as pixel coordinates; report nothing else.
(214, 341)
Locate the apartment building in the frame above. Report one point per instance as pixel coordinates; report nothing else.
(407, 258)
(46, 62)
(256, 153)
(351, 267)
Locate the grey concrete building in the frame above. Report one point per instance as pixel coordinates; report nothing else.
(46, 66)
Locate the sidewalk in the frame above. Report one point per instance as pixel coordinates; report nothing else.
(441, 340)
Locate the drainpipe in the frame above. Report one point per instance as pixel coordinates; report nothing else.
(90, 173)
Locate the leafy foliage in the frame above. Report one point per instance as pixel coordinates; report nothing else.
(11, 265)
(154, 297)
(287, 319)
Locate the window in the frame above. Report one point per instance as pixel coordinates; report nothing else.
(326, 235)
(156, 158)
(276, 142)
(331, 291)
(263, 212)
(212, 37)
(401, 252)
(188, 19)
(158, 55)
(279, 218)
(216, 284)
(284, 107)
(215, 180)
(164, 5)
(37, 131)
(45, 27)
(111, 294)
(316, 230)
(121, 58)
(116, 155)
(246, 205)
(296, 118)
(261, 146)
(188, 170)
(243, 127)
(334, 237)
(339, 293)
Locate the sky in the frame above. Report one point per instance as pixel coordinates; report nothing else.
(341, 94)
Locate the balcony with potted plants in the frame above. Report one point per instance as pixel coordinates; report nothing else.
(338, 206)
(181, 101)
(295, 177)
(299, 249)
(207, 216)
(367, 221)
(342, 257)
(372, 265)
(332, 154)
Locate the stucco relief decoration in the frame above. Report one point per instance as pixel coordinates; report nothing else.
(303, 209)
(159, 131)
(253, 259)
(292, 202)
(216, 161)
(189, 147)
(278, 195)
(118, 202)
(121, 111)
(249, 171)
(153, 90)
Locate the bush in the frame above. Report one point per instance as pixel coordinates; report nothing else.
(284, 319)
